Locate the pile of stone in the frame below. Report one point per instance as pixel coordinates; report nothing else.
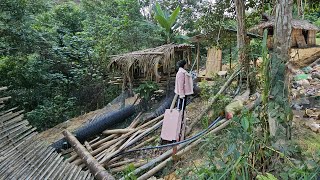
(306, 94)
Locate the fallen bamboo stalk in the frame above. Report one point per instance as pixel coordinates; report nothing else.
(186, 149)
(154, 127)
(116, 131)
(87, 145)
(104, 140)
(106, 145)
(95, 168)
(213, 100)
(143, 143)
(136, 121)
(213, 130)
(121, 163)
(74, 157)
(130, 139)
(94, 140)
(122, 168)
(135, 147)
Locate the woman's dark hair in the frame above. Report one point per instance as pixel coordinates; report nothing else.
(181, 63)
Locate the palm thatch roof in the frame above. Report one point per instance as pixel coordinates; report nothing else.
(147, 60)
(296, 24)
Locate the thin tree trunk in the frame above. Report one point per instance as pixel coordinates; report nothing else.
(93, 165)
(279, 75)
(241, 38)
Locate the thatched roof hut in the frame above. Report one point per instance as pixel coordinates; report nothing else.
(152, 63)
(303, 32)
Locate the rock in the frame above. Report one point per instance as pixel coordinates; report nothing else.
(315, 75)
(222, 73)
(307, 69)
(296, 107)
(314, 126)
(303, 82)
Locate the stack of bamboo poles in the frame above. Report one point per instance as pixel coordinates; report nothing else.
(22, 156)
(105, 150)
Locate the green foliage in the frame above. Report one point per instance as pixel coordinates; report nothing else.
(166, 21)
(244, 154)
(53, 57)
(51, 112)
(127, 176)
(145, 90)
(268, 176)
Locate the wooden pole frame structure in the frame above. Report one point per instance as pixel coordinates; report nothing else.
(93, 165)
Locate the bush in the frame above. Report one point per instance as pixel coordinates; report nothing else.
(53, 112)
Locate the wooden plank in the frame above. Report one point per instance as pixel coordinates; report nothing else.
(301, 42)
(214, 61)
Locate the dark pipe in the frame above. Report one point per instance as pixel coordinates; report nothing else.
(97, 126)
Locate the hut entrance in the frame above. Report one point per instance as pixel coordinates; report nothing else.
(305, 35)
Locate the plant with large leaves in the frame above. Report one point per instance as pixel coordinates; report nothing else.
(167, 21)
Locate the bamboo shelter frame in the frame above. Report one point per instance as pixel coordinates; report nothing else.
(148, 61)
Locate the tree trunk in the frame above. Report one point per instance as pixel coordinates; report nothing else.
(95, 168)
(279, 76)
(241, 37)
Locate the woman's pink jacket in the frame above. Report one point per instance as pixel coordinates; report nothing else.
(184, 83)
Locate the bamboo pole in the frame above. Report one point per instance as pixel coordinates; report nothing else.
(95, 168)
(121, 163)
(222, 124)
(154, 127)
(180, 153)
(116, 131)
(121, 168)
(213, 100)
(107, 145)
(198, 56)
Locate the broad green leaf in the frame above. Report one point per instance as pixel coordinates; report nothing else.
(158, 10)
(163, 22)
(268, 176)
(245, 123)
(174, 16)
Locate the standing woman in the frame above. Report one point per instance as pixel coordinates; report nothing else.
(183, 84)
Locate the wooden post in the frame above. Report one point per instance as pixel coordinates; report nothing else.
(198, 56)
(124, 84)
(95, 168)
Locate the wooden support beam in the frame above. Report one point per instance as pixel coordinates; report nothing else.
(95, 168)
(198, 56)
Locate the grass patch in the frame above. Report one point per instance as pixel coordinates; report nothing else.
(318, 41)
